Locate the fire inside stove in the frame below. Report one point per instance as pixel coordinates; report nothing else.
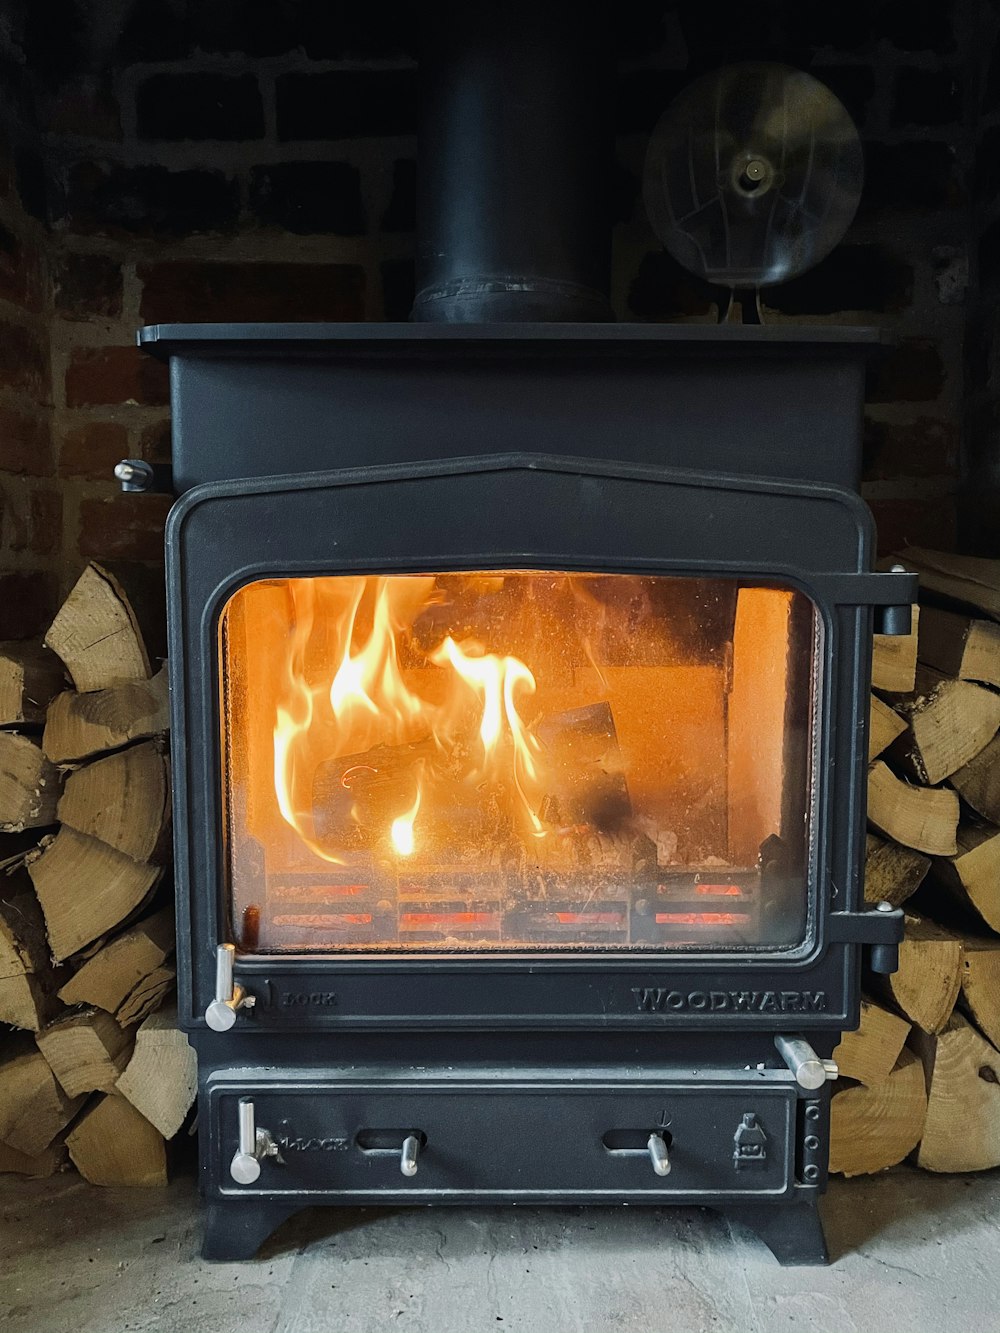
(517, 760)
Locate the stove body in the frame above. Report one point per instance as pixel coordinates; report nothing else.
(605, 960)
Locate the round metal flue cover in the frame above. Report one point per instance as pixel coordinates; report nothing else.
(753, 174)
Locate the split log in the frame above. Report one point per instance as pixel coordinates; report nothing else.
(46, 1163)
(80, 725)
(873, 1128)
(123, 799)
(894, 658)
(85, 889)
(951, 721)
(114, 972)
(29, 784)
(962, 1130)
(959, 646)
(87, 1051)
(161, 1080)
(30, 677)
(978, 782)
(112, 1144)
(972, 878)
(981, 985)
(966, 579)
(27, 984)
(870, 1053)
(892, 872)
(96, 634)
(929, 976)
(925, 818)
(33, 1107)
(147, 996)
(884, 726)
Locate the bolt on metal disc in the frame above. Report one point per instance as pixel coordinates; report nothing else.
(753, 175)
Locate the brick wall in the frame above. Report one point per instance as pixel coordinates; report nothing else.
(232, 159)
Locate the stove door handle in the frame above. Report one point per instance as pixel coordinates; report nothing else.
(230, 997)
(254, 1145)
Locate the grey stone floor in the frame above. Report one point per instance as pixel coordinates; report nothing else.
(913, 1254)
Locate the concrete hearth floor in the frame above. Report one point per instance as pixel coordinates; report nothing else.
(913, 1254)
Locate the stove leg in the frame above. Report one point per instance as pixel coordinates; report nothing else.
(237, 1231)
(793, 1232)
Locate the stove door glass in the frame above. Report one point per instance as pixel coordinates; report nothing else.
(517, 761)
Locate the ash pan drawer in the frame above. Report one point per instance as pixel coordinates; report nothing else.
(450, 1141)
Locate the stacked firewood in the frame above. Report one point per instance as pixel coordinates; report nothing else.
(92, 1067)
(922, 1074)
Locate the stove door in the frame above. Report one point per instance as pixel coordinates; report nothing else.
(517, 760)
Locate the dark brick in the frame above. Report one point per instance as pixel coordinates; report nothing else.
(916, 25)
(926, 97)
(623, 191)
(987, 172)
(92, 449)
(912, 372)
(662, 289)
(331, 32)
(643, 34)
(85, 104)
(32, 184)
(46, 521)
(155, 442)
(123, 527)
(257, 27)
(23, 361)
(308, 197)
(989, 256)
(851, 277)
(924, 522)
(155, 32)
(927, 447)
(921, 175)
(846, 25)
(401, 213)
(102, 376)
(149, 200)
(55, 38)
(25, 442)
(991, 87)
(200, 106)
(398, 288)
(191, 290)
(642, 96)
(88, 286)
(853, 84)
(27, 604)
(346, 104)
(20, 270)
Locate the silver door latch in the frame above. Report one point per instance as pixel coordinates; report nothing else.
(658, 1154)
(255, 1145)
(230, 998)
(810, 1071)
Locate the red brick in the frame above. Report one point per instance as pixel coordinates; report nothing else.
(186, 290)
(927, 447)
(25, 442)
(92, 450)
(88, 287)
(924, 522)
(85, 101)
(100, 376)
(912, 372)
(20, 270)
(27, 603)
(23, 361)
(123, 527)
(46, 521)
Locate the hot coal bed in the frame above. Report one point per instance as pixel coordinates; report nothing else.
(520, 677)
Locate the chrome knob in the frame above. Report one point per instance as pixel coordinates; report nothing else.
(658, 1154)
(810, 1071)
(408, 1155)
(254, 1144)
(134, 474)
(229, 997)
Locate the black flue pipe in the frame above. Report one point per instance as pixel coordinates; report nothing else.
(514, 163)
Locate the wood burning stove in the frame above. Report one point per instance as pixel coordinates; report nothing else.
(519, 795)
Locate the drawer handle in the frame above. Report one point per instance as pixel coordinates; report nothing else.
(408, 1143)
(408, 1155)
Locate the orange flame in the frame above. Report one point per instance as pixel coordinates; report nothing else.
(345, 693)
